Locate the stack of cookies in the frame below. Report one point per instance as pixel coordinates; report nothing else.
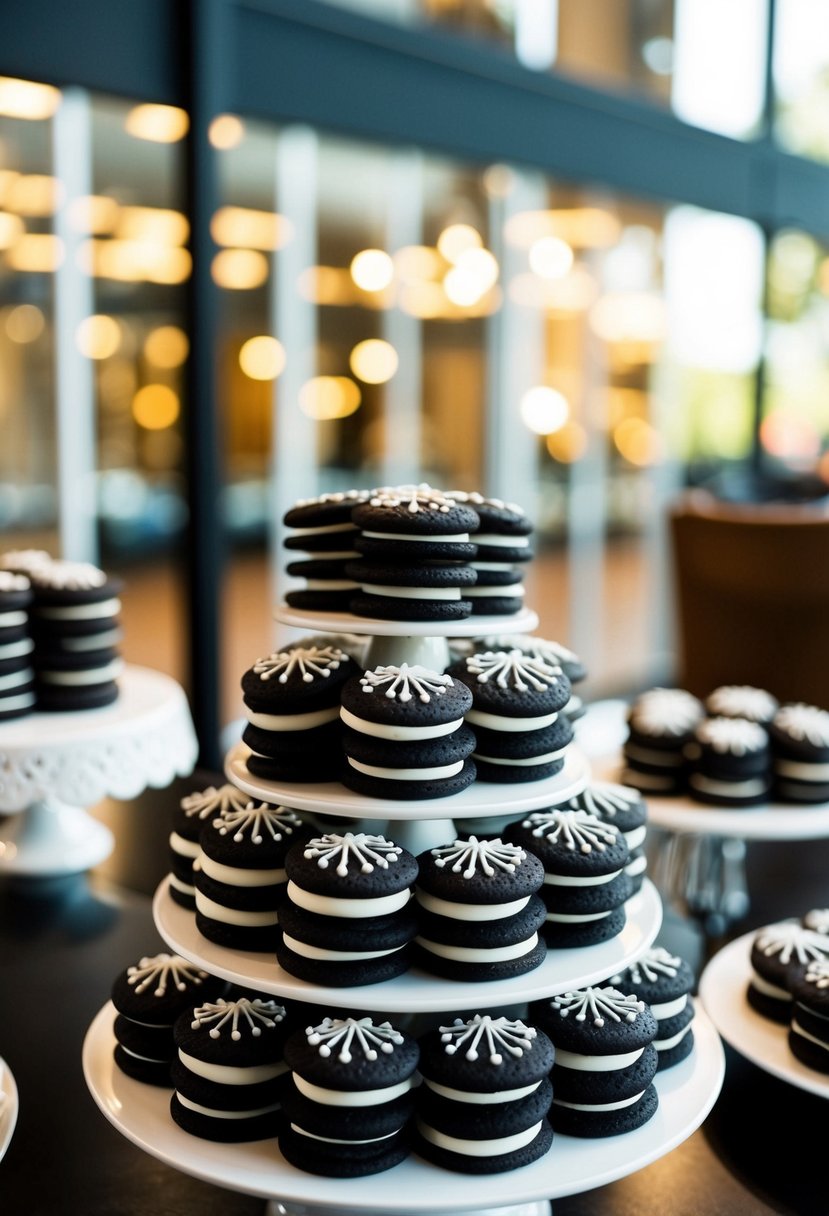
(503, 541)
(322, 529)
(780, 953)
(187, 821)
(625, 808)
(660, 723)
(664, 981)
(800, 752)
(729, 762)
(17, 691)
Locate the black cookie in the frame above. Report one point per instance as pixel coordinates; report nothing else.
(504, 755)
(660, 722)
(328, 585)
(799, 736)
(185, 825)
(324, 524)
(741, 701)
(779, 953)
(728, 762)
(416, 591)
(415, 523)
(809, 1028)
(625, 808)
(309, 755)
(664, 982)
(475, 951)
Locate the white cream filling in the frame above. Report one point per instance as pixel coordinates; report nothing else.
(546, 758)
(501, 567)
(9, 619)
(80, 612)
(667, 1044)
(93, 675)
(330, 584)
(669, 1009)
(637, 866)
(380, 731)
(474, 954)
(452, 537)
(233, 916)
(649, 781)
(635, 836)
(500, 541)
(342, 956)
(186, 848)
(412, 593)
(351, 1097)
(317, 717)
(796, 1028)
(799, 768)
(478, 1099)
(756, 785)
(767, 989)
(433, 773)
(321, 529)
(471, 912)
(235, 876)
(479, 1148)
(479, 717)
(15, 678)
(144, 1059)
(510, 589)
(184, 887)
(570, 880)
(329, 905)
(93, 641)
(651, 755)
(333, 555)
(14, 650)
(568, 918)
(599, 1106)
(333, 1140)
(226, 1114)
(20, 702)
(585, 1063)
(233, 1074)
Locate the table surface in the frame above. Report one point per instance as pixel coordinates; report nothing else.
(62, 942)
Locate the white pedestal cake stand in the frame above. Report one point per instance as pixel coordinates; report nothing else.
(53, 766)
(8, 1106)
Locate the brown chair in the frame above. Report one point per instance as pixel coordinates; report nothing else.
(752, 596)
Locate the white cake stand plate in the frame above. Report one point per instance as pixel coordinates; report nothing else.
(8, 1106)
(141, 1113)
(416, 990)
(722, 990)
(53, 766)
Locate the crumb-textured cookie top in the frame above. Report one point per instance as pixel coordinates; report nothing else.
(571, 842)
(355, 865)
(299, 678)
(656, 977)
(741, 701)
(404, 695)
(158, 987)
(788, 942)
(811, 988)
(256, 836)
(617, 804)
(510, 683)
(597, 1020)
(485, 1053)
(353, 1054)
(665, 712)
(416, 510)
(242, 1032)
(479, 871)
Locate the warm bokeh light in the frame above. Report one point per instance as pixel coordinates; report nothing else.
(157, 224)
(638, 441)
(499, 181)
(551, 257)
(262, 357)
(572, 294)
(624, 402)
(325, 398)
(580, 227)
(94, 214)
(568, 444)
(423, 300)
(155, 406)
(36, 252)
(457, 239)
(789, 436)
(24, 323)
(474, 272)
(11, 227)
(414, 263)
(374, 361)
(326, 285)
(117, 382)
(98, 336)
(135, 261)
(156, 123)
(244, 227)
(239, 269)
(226, 131)
(167, 346)
(372, 269)
(34, 194)
(544, 409)
(629, 316)
(26, 99)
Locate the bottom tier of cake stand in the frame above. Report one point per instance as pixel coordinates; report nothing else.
(141, 1113)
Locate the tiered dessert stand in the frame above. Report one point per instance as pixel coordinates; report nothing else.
(55, 765)
(686, 1092)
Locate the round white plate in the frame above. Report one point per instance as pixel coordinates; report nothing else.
(415, 990)
(722, 990)
(8, 1106)
(141, 1113)
(347, 622)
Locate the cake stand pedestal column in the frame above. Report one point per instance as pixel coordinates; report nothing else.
(54, 766)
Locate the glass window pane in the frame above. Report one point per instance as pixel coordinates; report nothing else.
(801, 77)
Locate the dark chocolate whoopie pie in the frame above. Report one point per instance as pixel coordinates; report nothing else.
(411, 591)
(625, 808)
(741, 701)
(17, 676)
(149, 996)
(799, 736)
(186, 824)
(323, 526)
(15, 600)
(483, 1104)
(552, 653)
(660, 722)
(411, 524)
(778, 953)
(664, 981)
(229, 1073)
(504, 530)
(728, 762)
(809, 1027)
(350, 1101)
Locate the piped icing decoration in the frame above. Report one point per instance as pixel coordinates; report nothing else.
(70, 576)
(671, 711)
(465, 857)
(578, 831)
(260, 821)
(24, 560)
(414, 498)
(163, 970)
(478, 500)
(598, 1004)
(404, 683)
(10, 581)
(223, 799)
(653, 964)
(734, 736)
(337, 496)
(498, 1035)
(790, 941)
(240, 1015)
(512, 668)
(817, 973)
(340, 1035)
(742, 700)
(367, 852)
(307, 661)
(817, 919)
(804, 722)
(604, 798)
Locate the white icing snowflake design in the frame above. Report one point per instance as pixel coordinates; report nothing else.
(340, 1035)
(790, 941)
(10, 581)
(466, 856)
(742, 701)
(817, 973)
(204, 803)
(72, 576)
(496, 1035)
(653, 964)
(241, 1015)
(732, 736)
(347, 496)
(23, 561)
(806, 723)
(414, 498)
(260, 821)
(513, 668)
(598, 1004)
(604, 799)
(307, 662)
(817, 919)
(578, 831)
(368, 852)
(403, 683)
(162, 970)
(666, 711)
(477, 499)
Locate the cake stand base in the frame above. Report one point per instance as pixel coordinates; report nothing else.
(51, 838)
(539, 1207)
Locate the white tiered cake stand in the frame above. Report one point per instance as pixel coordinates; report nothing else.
(54, 765)
(414, 1187)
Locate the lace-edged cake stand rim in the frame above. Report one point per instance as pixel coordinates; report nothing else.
(415, 990)
(141, 1113)
(8, 1106)
(722, 991)
(53, 766)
